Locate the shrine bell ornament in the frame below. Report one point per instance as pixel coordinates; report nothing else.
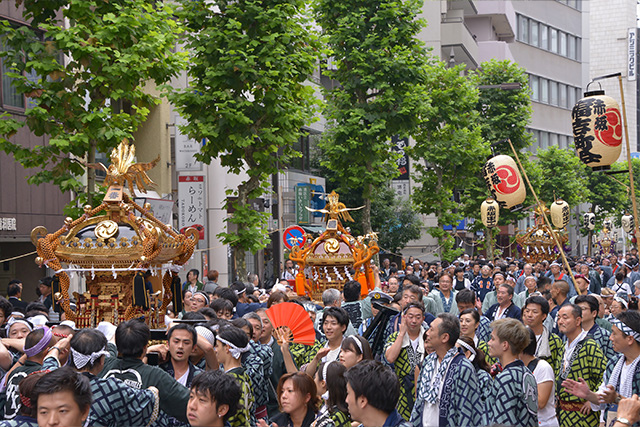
(597, 130)
(627, 223)
(589, 221)
(505, 182)
(560, 214)
(490, 212)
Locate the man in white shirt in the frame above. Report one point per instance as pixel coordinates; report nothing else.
(448, 393)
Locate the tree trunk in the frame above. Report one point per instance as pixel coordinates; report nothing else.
(239, 261)
(489, 244)
(366, 211)
(91, 174)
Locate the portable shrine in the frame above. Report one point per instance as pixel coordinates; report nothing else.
(537, 243)
(112, 246)
(335, 257)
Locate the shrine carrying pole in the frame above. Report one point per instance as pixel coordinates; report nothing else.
(544, 215)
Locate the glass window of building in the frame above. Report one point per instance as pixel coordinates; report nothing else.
(544, 140)
(535, 88)
(523, 29)
(553, 93)
(553, 40)
(571, 46)
(571, 97)
(10, 95)
(563, 43)
(544, 90)
(544, 37)
(535, 38)
(562, 95)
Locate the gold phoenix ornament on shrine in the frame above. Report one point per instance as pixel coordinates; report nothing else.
(112, 248)
(327, 261)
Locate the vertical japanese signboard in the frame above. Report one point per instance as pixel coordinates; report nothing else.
(400, 183)
(186, 149)
(303, 197)
(191, 203)
(631, 54)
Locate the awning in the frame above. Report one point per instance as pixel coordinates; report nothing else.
(313, 228)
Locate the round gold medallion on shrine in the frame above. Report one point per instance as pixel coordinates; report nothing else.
(331, 245)
(106, 229)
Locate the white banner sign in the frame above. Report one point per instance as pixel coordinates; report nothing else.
(191, 203)
(186, 149)
(162, 209)
(631, 54)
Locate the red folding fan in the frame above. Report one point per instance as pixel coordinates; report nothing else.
(295, 322)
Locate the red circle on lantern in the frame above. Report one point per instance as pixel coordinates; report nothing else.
(509, 180)
(612, 136)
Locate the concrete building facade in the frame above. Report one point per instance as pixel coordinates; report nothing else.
(548, 38)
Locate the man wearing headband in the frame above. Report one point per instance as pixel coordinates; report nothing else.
(458, 402)
(622, 376)
(37, 345)
(114, 403)
(132, 339)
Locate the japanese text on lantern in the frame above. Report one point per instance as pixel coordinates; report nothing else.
(492, 179)
(491, 215)
(583, 113)
(191, 201)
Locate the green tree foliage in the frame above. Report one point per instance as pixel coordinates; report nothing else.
(395, 220)
(608, 194)
(380, 67)
(559, 174)
(247, 96)
(449, 151)
(95, 97)
(504, 113)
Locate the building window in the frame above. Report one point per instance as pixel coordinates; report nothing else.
(553, 41)
(523, 29)
(544, 140)
(535, 41)
(544, 37)
(535, 88)
(571, 46)
(563, 43)
(562, 95)
(10, 96)
(544, 91)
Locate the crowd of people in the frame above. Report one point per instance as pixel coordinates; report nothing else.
(474, 342)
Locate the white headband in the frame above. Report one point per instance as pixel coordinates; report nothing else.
(621, 301)
(235, 351)
(625, 329)
(468, 348)
(358, 343)
(324, 370)
(81, 360)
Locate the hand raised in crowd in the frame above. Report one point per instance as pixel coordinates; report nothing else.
(263, 423)
(402, 331)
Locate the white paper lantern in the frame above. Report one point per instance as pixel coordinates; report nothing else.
(589, 221)
(597, 130)
(504, 182)
(490, 212)
(627, 223)
(560, 214)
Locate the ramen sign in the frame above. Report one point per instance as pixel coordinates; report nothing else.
(504, 181)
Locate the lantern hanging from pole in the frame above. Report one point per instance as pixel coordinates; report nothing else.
(505, 182)
(560, 214)
(627, 223)
(589, 221)
(597, 130)
(489, 212)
